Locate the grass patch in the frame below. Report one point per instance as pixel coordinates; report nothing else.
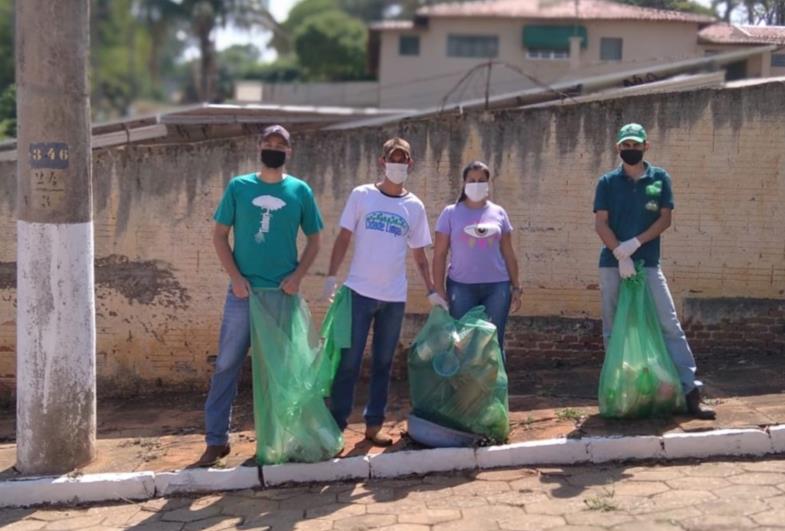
(602, 502)
(569, 413)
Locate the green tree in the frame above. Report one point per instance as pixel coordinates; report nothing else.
(6, 43)
(367, 10)
(162, 19)
(240, 61)
(236, 63)
(8, 112)
(687, 6)
(282, 70)
(200, 18)
(283, 41)
(119, 47)
(331, 47)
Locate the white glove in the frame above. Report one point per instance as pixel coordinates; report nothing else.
(626, 248)
(330, 283)
(626, 268)
(437, 300)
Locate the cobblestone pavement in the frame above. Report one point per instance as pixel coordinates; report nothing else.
(709, 495)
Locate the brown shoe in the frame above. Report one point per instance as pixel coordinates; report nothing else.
(212, 454)
(694, 406)
(375, 435)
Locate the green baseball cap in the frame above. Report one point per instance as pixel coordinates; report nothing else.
(633, 131)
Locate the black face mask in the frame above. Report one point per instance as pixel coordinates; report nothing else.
(272, 158)
(631, 156)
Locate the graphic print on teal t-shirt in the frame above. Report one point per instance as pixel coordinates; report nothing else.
(388, 222)
(268, 204)
(265, 219)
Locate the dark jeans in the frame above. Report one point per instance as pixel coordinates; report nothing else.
(386, 318)
(233, 347)
(495, 296)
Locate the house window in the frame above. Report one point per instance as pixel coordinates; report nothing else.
(547, 54)
(778, 60)
(472, 46)
(610, 49)
(409, 45)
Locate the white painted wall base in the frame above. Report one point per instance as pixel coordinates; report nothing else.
(55, 347)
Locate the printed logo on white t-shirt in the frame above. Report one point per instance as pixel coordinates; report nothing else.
(387, 222)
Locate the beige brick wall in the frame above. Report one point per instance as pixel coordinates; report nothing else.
(160, 288)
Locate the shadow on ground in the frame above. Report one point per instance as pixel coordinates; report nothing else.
(164, 432)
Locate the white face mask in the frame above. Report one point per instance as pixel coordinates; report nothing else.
(395, 172)
(476, 191)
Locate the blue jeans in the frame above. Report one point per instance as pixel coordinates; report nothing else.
(387, 318)
(235, 340)
(675, 339)
(495, 296)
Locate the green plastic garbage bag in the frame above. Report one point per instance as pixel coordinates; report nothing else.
(336, 335)
(638, 377)
(292, 420)
(457, 377)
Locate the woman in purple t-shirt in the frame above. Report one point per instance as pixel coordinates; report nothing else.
(483, 268)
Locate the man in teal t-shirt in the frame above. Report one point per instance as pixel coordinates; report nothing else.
(265, 210)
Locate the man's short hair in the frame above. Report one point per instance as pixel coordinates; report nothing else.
(396, 143)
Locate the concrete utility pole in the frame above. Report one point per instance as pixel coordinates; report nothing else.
(55, 323)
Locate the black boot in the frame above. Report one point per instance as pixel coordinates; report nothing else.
(694, 406)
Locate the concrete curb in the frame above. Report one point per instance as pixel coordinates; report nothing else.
(604, 449)
(144, 485)
(71, 489)
(422, 461)
(550, 451)
(777, 434)
(326, 471)
(717, 442)
(206, 480)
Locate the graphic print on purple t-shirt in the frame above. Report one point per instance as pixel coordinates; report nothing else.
(482, 234)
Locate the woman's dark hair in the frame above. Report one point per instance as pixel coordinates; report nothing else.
(473, 165)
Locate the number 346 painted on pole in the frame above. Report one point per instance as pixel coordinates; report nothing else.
(51, 155)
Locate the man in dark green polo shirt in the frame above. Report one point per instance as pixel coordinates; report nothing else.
(632, 207)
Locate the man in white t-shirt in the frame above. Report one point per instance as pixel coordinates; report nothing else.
(386, 220)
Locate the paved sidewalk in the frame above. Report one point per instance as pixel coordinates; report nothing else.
(710, 495)
(164, 432)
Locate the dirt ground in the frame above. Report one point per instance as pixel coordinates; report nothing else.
(165, 432)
